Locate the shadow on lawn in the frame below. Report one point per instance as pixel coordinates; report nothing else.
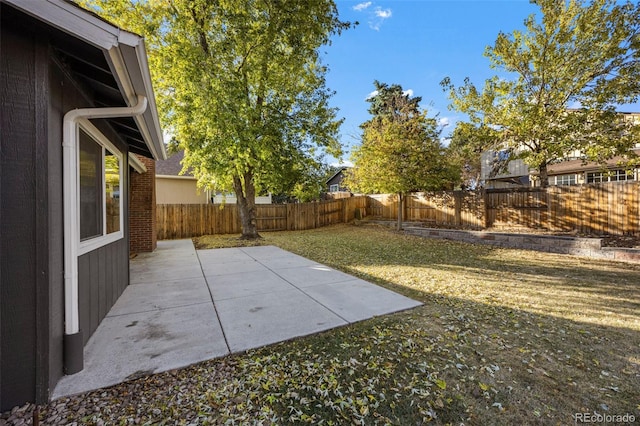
(550, 367)
(563, 331)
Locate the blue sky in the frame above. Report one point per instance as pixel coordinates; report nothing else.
(414, 43)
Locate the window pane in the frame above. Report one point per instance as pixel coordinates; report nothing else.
(112, 191)
(90, 188)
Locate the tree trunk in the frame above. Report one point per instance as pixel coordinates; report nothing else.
(246, 195)
(544, 175)
(400, 209)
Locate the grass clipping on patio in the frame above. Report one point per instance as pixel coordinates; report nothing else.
(504, 337)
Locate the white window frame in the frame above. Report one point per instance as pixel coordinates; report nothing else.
(561, 180)
(614, 176)
(334, 187)
(95, 243)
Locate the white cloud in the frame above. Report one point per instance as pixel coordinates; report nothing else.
(408, 92)
(371, 95)
(444, 121)
(382, 13)
(376, 16)
(362, 6)
(346, 163)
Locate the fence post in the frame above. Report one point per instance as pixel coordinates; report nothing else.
(457, 198)
(344, 209)
(485, 209)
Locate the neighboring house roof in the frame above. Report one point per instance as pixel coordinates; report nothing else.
(172, 166)
(110, 61)
(574, 166)
(340, 170)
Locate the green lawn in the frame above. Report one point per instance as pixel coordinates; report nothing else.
(504, 337)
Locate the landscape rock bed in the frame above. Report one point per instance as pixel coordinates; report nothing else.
(577, 246)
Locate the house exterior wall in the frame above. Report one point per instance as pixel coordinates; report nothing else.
(103, 276)
(488, 160)
(23, 201)
(232, 199)
(179, 190)
(36, 93)
(336, 180)
(142, 209)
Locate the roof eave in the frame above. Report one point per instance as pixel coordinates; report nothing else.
(123, 50)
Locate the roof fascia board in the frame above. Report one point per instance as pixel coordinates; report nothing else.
(72, 20)
(136, 62)
(111, 39)
(181, 177)
(137, 165)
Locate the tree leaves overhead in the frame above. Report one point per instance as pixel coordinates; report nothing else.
(560, 81)
(240, 83)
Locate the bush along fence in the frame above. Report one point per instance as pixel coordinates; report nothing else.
(606, 208)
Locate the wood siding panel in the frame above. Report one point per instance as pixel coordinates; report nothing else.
(56, 225)
(98, 285)
(18, 210)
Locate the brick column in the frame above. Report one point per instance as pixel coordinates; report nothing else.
(142, 208)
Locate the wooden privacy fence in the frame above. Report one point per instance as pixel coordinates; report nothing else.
(605, 208)
(193, 220)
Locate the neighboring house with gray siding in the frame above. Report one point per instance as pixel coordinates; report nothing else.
(77, 101)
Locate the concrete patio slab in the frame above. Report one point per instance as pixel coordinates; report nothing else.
(127, 346)
(244, 284)
(357, 300)
(223, 255)
(292, 261)
(231, 267)
(144, 297)
(308, 276)
(185, 306)
(168, 273)
(254, 321)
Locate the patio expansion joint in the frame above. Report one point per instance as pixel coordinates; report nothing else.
(213, 302)
(156, 281)
(300, 289)
(156, 309)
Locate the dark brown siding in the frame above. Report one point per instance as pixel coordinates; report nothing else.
(18, 211)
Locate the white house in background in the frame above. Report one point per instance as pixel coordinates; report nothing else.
(231, 199)
(175, 188)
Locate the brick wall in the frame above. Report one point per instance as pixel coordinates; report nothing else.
(142, 208)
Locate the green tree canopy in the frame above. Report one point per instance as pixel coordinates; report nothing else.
(400, 150)
(466, 144)
(561, 80)
(241, 86)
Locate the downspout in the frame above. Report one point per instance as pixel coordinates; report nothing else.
(73, 340)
